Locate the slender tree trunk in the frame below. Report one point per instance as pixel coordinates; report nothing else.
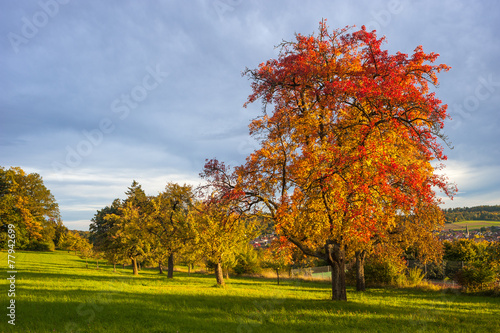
(134, 266)
(336, 258)
(227, 273)
(170, 268)
(360, 270)
(139, 266)
(114, 267)
(278, 275)
(189, 269)
(160, 268)
(97, 263)
(123, 265)
(218, 274)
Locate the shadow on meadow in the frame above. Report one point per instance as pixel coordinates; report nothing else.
(55, 298)
(120, 310)
(124, 311)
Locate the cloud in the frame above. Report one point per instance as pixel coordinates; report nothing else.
(81, 192)
(80, 85)
(478, 184)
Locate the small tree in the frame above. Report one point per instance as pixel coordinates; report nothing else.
(130, 233)
(481, 263)
(71, 241)
(463, 250)
(168, 223)
(221, 231)
(222, 222)
(128, 230)
(278, 256)
(85, 249)
(103, 232)
(191, 254)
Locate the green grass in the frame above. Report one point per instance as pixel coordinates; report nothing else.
(56, 293)
(472, 225)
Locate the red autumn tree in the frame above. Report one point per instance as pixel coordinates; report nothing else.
(348, 144)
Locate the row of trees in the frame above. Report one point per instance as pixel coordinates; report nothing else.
(206, 225)
(482, 213)
(480, 261)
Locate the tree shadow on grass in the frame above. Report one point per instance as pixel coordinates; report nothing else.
(119, 304)
(121, 310)
(136, 312)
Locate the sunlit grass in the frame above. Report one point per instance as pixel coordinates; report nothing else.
(56, 293)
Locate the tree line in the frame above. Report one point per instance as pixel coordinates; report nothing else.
(202, 226)
(477, 213)
(179, 222)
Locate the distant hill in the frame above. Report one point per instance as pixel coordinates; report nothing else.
(478, 213)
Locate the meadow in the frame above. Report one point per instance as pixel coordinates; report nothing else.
(472, 225)
(55, 292)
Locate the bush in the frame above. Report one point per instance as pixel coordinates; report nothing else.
(451, 268)
(42, 246)
(248, 261)
(474, 277)
(382, 272)
(415, 276)
(435, 271)
(464, 250)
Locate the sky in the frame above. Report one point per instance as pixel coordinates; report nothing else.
(96, 94)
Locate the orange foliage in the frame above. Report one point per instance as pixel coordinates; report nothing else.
(349, 143)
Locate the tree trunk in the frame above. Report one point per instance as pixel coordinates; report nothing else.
(218, 274)
(278, 275)
(360, 270)
(336, 259)
(139, 266)
(170, 268)
(134, 266)
(159, 267)
(123, 265)
(97, 263)
(114, 267)
(189, 269)
(227, 273)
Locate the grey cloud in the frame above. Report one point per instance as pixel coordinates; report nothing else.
(59, 88)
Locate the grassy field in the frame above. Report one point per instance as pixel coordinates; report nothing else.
(56, 293)
(472, 225)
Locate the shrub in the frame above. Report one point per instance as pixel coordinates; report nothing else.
(476, 276)
(415, 276)
(464, 250)
(42, 246)
(382, 272)
(248, 261)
